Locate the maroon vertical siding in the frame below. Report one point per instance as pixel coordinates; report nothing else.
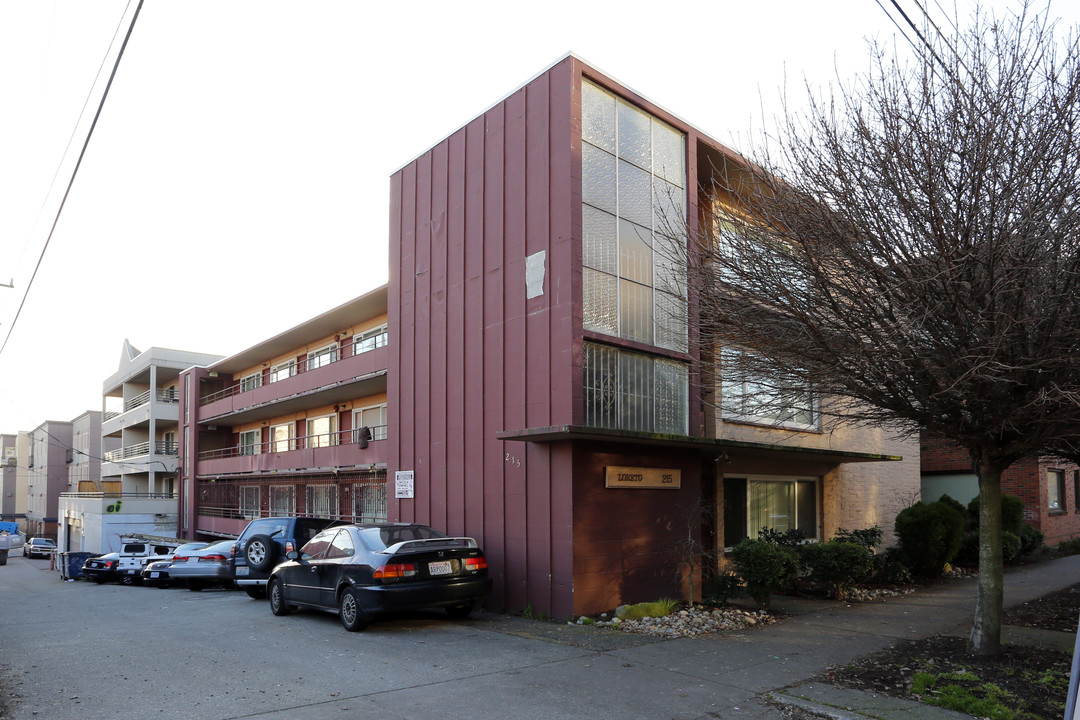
(472, 355)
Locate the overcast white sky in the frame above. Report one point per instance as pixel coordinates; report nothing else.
(237, 181)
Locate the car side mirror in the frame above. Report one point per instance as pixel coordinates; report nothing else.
(292, 555)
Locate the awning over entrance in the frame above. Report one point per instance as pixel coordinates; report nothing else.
(705, 446)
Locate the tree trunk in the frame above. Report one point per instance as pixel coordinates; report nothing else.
(986, 631)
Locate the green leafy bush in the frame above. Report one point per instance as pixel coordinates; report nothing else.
(1010, 546)
(660, 608)
(890, 569)
(1068, 547)
(792, 538)
(1031, 540)
(968, 553)
(929, 535)
(838, 564)
(765, 567)
(870, 538)
(722, 587)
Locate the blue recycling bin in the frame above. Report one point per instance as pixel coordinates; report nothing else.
(71, 563)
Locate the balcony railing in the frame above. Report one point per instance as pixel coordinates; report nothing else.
(352, 497)
(164, 396)
(343, 352)
(342, 437)
(161, 447)
(121, 495)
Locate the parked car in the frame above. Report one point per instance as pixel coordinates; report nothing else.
(263, 545)
(156, 571)
(102, 568)
(360, 571)
(38, 547)
(203, 567)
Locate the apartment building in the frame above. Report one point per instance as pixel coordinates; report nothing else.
(544, 381)
(12, 491)
(295, 425)
(49, 455)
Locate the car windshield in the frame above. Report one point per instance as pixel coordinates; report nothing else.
(380, 538)
(43, 541)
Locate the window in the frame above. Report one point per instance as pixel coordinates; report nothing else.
(781, 504)
(373, 418)
(1076, 491)
(281, 437)
(249, 502)
(634, 391)
(322, 500)
(250, 442)
(322, 431)
(342, 546)
(282, 370)
(369, 340)
(369, 503)
(282, 500)
(250, 382)
(747, 395)
(322, 356)
(634, 198)
(1055, 490)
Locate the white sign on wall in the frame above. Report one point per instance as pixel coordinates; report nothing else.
(403, 484)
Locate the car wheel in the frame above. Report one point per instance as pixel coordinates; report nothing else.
(255, 592)
(279, 604)
(260, 552)
(460, 612)
(99, 581)
(351, 611)
(195, 585)
(128, 580)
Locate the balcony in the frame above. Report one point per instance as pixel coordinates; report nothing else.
(161, 447)
(297, 387)
(329, 451)
(136, 411)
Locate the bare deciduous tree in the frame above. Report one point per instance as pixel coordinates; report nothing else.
(909, 246)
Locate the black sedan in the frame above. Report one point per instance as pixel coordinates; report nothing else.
(360, 571)
(102, 568)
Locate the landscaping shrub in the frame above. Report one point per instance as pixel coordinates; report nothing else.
(1031, 540)
(722, 587)
(929, 535)
(765, 567)
(1012, 513)
(890, 569)
(968, 554)
(838, 564)
(869, 538)
(792, 538)
(1068, 547)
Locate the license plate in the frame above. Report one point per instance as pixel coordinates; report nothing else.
(154, 574)
(241, 570)
(439, 568)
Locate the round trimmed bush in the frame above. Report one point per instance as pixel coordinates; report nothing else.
(929, 535)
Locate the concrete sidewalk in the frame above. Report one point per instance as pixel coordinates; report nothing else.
(747, 674)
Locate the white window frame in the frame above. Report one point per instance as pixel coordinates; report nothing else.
(378, 432)
(1055, 491)
(250, 382)
(290, 441)
(368, 340)
(321, 500)
(325, 439)
(322, 357)
(249, 502)
(288, 368)
(740, 397)
(255, 447)
(282, 500)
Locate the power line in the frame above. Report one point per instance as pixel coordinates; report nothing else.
(74, 172)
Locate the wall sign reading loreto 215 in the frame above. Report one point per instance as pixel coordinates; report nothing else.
(636, 477)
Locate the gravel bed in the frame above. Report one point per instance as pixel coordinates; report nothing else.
(687, 623)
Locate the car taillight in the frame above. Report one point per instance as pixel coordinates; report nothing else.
(213, 558)
(109, 564)
(180, 558)
(473, 564)
(394, 571)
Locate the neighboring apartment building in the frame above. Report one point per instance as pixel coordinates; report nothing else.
(544, 386)
(295, 425)
(50, 454)
(137, 444)
(1049, 487)
(12, 491)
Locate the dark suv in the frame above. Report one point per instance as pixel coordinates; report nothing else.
(263, 545)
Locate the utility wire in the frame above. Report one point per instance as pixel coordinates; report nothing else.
(74, 172)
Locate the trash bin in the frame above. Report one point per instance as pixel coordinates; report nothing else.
(74, 562)
(59, 562)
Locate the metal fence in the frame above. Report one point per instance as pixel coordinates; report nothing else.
(350, 496)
